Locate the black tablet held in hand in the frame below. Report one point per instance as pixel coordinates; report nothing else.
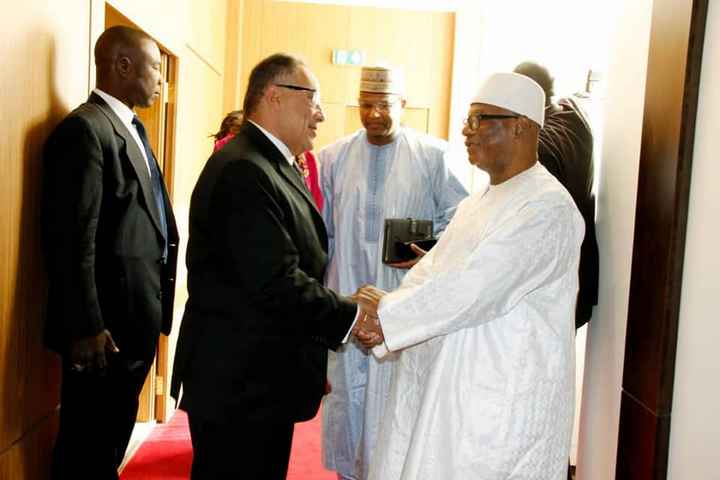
(400, 233)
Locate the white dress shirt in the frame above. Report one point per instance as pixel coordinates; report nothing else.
(278, 143)
(126, 117)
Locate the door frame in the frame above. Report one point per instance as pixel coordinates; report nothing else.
(162, 135)
(671, 94)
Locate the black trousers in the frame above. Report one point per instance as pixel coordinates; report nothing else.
(97, 416)
(240, 449)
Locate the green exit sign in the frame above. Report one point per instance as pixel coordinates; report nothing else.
(347, 57)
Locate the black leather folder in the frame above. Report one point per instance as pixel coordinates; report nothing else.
(400, 233)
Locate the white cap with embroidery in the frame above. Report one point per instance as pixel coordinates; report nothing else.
(382, 80)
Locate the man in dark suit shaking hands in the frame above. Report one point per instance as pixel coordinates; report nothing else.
(252, 352)
(110, 243)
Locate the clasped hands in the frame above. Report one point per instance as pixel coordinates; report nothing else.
(367, 329)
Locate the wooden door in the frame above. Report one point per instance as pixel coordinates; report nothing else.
(153, 118)
(158, 120)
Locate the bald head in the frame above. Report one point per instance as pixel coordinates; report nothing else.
(128, 66)
(116, 43)
(541, 75)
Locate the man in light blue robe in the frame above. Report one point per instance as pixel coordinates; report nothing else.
(382, 171)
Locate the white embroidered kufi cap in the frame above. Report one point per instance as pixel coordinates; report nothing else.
(514, 92)
(382, 80)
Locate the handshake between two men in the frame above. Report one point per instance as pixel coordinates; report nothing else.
(367, 329)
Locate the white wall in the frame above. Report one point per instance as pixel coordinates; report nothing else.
(615, 221)
(695, 428)
(569, 37)
(466, 77)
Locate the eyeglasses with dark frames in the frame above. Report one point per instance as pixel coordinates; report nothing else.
(473, 121)
(315, 96)
(296, 87)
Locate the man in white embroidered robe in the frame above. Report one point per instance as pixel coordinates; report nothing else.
(382, 171)
(484, 384)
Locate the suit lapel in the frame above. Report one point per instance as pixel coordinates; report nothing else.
(134, 156)
(268, 149)
(292, 176)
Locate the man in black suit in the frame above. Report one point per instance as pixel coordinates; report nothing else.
(566, 149)
(110, 243)
(252, 351)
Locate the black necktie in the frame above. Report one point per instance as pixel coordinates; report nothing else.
(155, 180)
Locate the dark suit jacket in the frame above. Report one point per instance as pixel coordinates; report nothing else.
(566, 150)
(101, 236)
(258, 321)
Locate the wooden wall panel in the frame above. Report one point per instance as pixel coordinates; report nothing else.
(45, 68)
(311, 31)
(439, 74)
(334, 126)
(233, 56)
(177, 24)
(46, 52)
(308, 30)
(251, 46)
(420, 42)
(167, 21)
(28, 459)
(208, 31)
(397, 37)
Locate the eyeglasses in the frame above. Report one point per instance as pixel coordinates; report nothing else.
(315, 99)
(473, 121)
(381, 106)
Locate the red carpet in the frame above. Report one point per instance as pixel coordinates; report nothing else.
(305, 457)
(167, 454)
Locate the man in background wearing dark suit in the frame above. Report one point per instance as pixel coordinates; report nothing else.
(253, 343)
(566, 149)
(110, 243)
